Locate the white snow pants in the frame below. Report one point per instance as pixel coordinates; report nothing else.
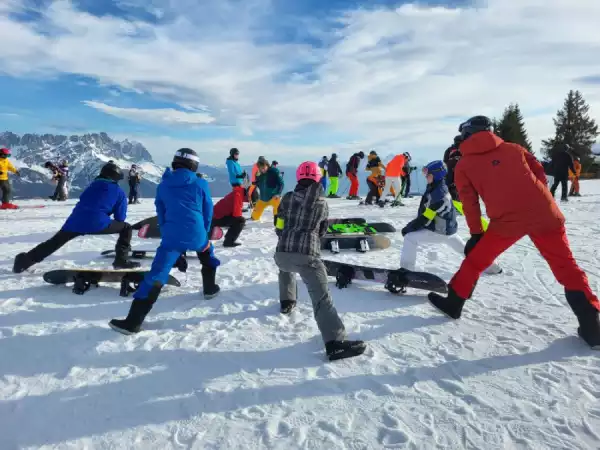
(408, 258)
(390, 182)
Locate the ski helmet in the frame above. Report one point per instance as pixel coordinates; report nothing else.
(185, 158)
(234, 152)
(308, 170)
(111, 171)
(361, 154)
(407, 156)
(274, 163)
(437, 169)
(4, 153)
(334, 156)
(474, 125)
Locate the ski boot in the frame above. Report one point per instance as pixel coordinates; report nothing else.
(343, 277)
(396, 282)
(140, 307)
(587, 315)
(344, 349)
(22, 262)
(451, 305)
(287, 306)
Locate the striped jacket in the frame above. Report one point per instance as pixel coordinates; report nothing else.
(302, 220)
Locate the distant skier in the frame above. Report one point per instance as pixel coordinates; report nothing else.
(135, 178)
(352, 174)
(562, 162)
(274, 164)
(227, 212)
(574, 177)
(522, 207)
(5, 167)
(234, 170)
(253, 190)
(301, 223)
(270, 187)
(91, 216)
(451, 158)
(435, 222)
(405, 189)
(375, 167)
(185, 209)
(393, 174)
(333, 172)
(323, 166)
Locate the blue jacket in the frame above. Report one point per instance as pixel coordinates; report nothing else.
(236, 174)
(101, 199)
(184, 208)
(436, 211)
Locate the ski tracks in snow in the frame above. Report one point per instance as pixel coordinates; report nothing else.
(233, 373)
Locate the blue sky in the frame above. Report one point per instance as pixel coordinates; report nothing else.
(292, 79)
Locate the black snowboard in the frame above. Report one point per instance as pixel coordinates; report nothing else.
(135, 254)
(83, 279)
(395, 281)
(354, 241)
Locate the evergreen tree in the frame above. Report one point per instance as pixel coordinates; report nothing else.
(574, 128)
(511, 127)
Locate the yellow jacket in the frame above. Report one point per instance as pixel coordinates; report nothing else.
(5, 167)
(375, 166)
(577, 166)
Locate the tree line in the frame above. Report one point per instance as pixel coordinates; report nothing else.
(574, 128)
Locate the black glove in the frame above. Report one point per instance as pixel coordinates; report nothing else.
(472, 242)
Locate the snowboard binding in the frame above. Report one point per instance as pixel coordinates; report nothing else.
(83, 283)
(396, 282)
(344, 277)
(362, 246)
(128, 287)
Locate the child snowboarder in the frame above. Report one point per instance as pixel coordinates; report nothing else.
(301, 224)
(5, 167)
(436, 220)
(574, 177)
(333, 172)
(352, 174)
(270, 186)
(91, 215)
(522, 207)
(184, 209)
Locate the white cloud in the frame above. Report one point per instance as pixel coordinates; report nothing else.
(9, 114)
(163, 116)
(390, 77)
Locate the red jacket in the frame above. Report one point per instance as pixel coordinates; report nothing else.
(511, 183)
(230, 205)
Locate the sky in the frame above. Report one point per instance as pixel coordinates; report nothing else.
(291, 79)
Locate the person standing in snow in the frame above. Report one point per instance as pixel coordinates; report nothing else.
(375, 167)
(393, 173)
(323, 166)
(185, 210)
(135, 179)
(574, 176)
(301, 223)
(270, 187)
(333, 171)
(5, 167)
(451, 158)
(102, 199)
(523, 207)
(435, 222)
(562, 162)
(253, 190)
(405, 189)
(234, 170)
(352, 174)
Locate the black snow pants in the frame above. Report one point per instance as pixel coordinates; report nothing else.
(6, 190)
(133, 192)
(235, 225)
(373, 192)
(564, 187)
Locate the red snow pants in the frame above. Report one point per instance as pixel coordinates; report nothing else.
(553, 246)
(353, 183)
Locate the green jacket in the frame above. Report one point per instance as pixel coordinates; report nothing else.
(270, 184)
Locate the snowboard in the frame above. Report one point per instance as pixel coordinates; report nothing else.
(395, 281)
(360, 242)
(83, 279)
(360, 228)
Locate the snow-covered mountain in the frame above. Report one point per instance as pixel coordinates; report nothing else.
(85, 154)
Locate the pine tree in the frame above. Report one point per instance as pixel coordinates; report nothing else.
(511, 127)
(574, 128)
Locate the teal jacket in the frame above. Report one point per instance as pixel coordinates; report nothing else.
(270, 184)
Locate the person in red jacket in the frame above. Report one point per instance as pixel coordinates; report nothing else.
(227, 212)
(521, 207)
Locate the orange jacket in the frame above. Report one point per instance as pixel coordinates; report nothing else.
(395, 167)
(577, 166)
(511, 183)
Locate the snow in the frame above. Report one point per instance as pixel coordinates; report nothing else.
(232, 373)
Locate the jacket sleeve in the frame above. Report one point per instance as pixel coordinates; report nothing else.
(280, 184)
(282, 212)
(323, 212)
(120, 207)
(535, 166)
(470, 200)
(160, 208)
(10, 167)
(234, 173)
(207, 204)
(426, 213)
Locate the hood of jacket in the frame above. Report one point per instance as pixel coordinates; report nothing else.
(179, 178)
(479, 143)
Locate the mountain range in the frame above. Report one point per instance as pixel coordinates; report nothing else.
(87, 153)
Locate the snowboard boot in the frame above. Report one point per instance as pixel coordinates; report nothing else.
(231, 244)
(287, 306)
(451, 306)
(209, 287)
(122, 259)
(140, 307)
(181, 264)
(7, 205)
(344, 349)
(587, 315)
(22, 262)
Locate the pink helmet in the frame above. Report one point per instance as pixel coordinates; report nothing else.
(309, 170)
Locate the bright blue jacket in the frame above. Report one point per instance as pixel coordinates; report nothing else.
(184, 208)
(101, 199)
(235, 172)
(436, 211)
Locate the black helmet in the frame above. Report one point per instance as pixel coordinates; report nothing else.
(185, 158)
(234, 151)
(274, 163)
(333, 155)
(373, 152)
(111, 171)
(458, 139)
(474, 125)
(361, 154)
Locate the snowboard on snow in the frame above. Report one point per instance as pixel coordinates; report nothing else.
(83, 279)
(359, 242)
(358, 225)
(395, 280)
(149, 229)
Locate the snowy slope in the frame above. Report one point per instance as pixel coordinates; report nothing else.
(231, 373)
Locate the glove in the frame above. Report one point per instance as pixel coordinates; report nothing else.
(472, 242)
